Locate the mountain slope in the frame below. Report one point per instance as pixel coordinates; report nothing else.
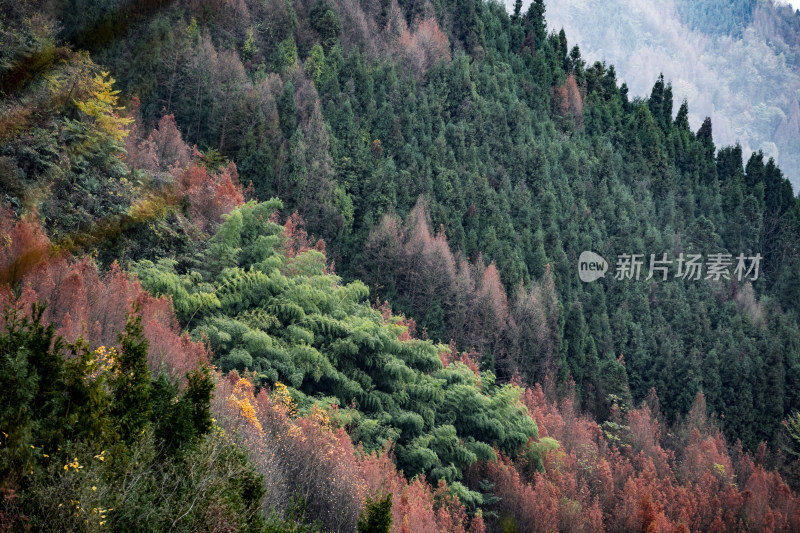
(519, 152)
(457, 159)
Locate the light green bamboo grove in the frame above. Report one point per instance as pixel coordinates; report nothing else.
(285, 319)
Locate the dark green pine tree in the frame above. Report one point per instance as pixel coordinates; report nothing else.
(22, 343)
(377, 515)
(704, 134)
(575, 332)
(323, 19)
(287, 110)
(729, 161)
(46, 397)
(773, 385)
(682, 119)
(660, 103)
(179, 423)
(754, 170)
(517, 10)
(666, 108)
(131, 404)
(778, 195)
(536, 21)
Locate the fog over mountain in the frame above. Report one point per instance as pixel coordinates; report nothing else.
(735, 61)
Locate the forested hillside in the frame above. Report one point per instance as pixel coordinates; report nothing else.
(735, 61)
(323, 256)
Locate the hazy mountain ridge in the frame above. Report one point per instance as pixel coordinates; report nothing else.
(747, 83)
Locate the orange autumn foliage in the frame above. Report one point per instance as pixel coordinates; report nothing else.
(591, 483)
(82, 302)
(470, 359)
(409, 325)
(298, 454)
(416, 506)
(297, 238)
(163, 152)
(308, 454)
(23, 245)
(567, 101)
(210, 195)
(422, 46)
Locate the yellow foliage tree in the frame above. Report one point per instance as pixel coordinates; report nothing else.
(100, 130)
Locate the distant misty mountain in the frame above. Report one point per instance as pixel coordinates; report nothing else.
(735, 61)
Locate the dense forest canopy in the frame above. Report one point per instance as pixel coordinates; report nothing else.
(324, 255)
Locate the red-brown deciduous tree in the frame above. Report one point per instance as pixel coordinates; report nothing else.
(422, 46)
(491, 312)
(297, 238)
(23, 245)
(210, 195)
(81, 302)
(574, 100)
(162, 150)
(567, 101)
